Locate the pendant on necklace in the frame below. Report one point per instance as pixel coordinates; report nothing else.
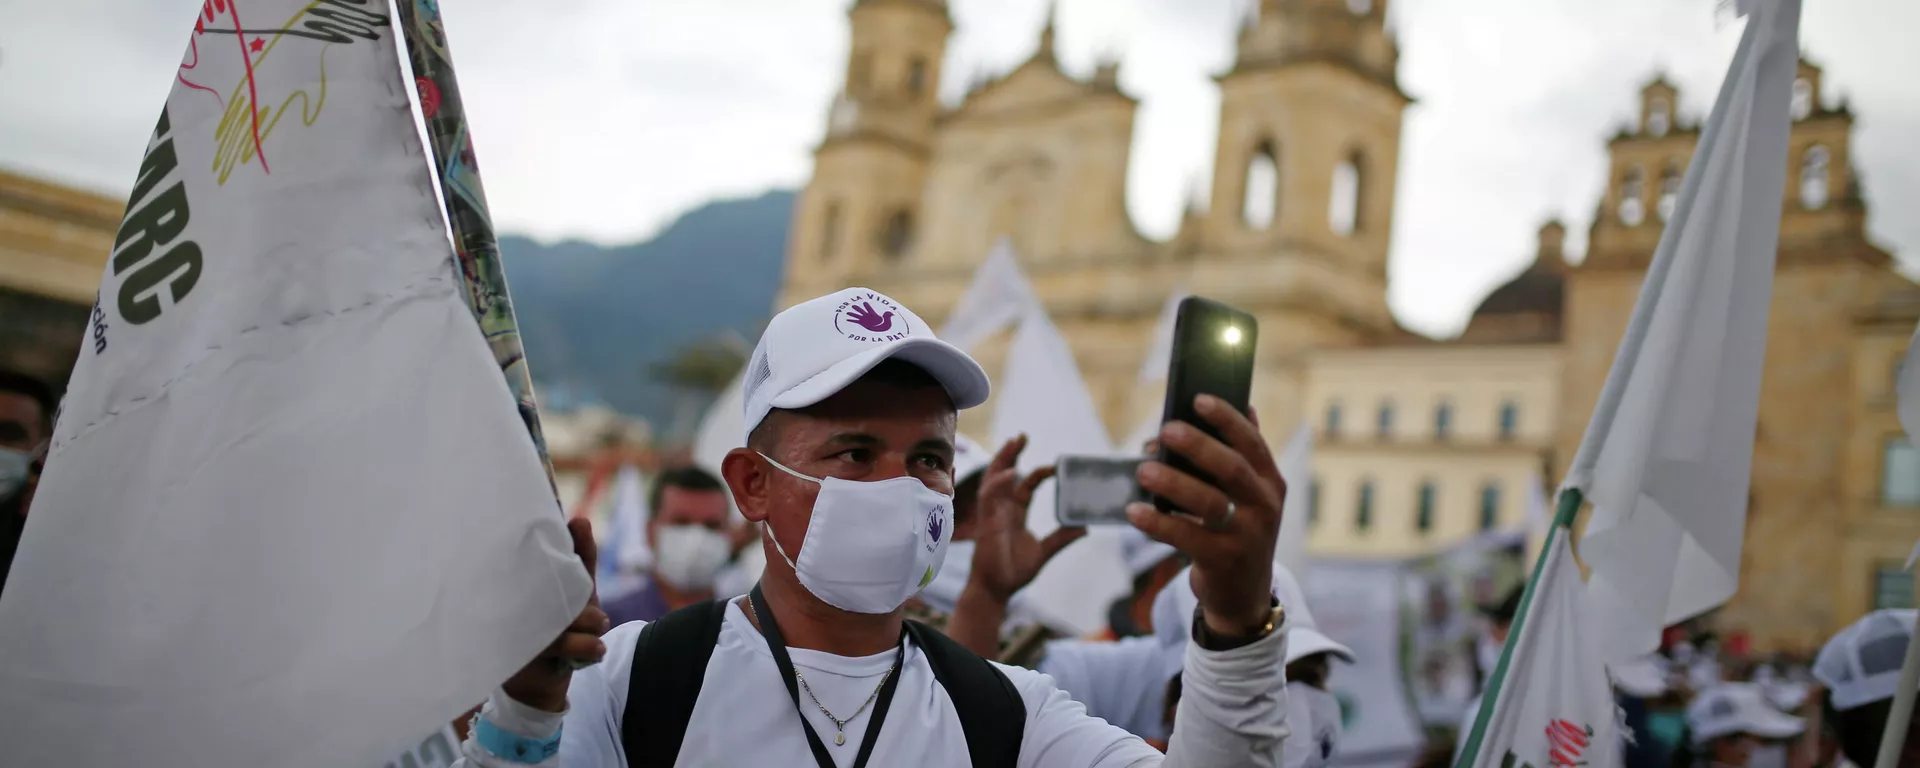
(840, 739)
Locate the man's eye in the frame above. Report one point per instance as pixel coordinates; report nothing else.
(857, 455)
(934, 462)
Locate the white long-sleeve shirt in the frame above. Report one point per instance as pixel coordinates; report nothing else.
(1232, 712)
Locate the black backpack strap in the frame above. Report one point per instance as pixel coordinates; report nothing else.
(669, 666)
(992, 715)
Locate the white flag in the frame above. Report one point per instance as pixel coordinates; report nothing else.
(997, 298)
(1667, 456)
(721, 429)
(1296, 468)
(1153, 369)
(1041, 394)
(624, 551)
(1907, 405)
(291, 516)
(1553, 705)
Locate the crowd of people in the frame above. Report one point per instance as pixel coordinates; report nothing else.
(887, 612)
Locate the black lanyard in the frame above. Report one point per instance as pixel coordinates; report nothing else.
(881, 704)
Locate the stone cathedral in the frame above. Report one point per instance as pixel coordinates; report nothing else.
(1419, 442)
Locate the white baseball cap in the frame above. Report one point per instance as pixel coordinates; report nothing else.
(1142, 553)
(816, 348)
(1643, 677)
(1173, 616)
(1731, 708)
(1861, 664)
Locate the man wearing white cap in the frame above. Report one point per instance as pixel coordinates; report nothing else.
(850, 405)
(1859, 670)
(1152, 565)
(1732, 722)
(1313, 712)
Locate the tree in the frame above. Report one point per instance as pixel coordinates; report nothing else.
(698, 372)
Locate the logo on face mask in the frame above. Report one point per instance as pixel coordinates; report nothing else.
(936, 524)
(871, 317)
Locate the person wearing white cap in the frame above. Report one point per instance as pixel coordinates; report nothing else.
(1313, 712)
(1859, 671)
(850, 405)
(1152, 565)
(1731, 723)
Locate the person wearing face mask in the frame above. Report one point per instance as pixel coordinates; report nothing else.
(1313, 711)
(26, 424)
(1732, 725)
(850, 404)
(690, 541)
(941, 605)
(1134, 683)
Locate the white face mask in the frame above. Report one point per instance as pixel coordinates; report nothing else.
(13, 471)
(1768, 755)
(870, 546)
(690, 556)
(1314, 716)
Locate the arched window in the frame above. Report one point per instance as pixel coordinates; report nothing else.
(1260, 204)
(1423, 518)
(917, 76)
(830, 231)
(1509, 419)
(1333, 420)
(1442, 421)
(1343, 201)
(1489, 506)
(1659, 116)
(1802, 104)
(1383, 420)
(897, 235)
(1669, 192)
(1363, 508)
(1813, 177)
(1632, 197)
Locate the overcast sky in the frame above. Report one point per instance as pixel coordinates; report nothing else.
(604, 119)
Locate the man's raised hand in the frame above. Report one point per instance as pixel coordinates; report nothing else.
(1228, 530)
(542, 683)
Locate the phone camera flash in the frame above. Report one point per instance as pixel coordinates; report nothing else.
(1231, 335)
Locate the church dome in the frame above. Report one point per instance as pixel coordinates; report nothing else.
(1528, 308)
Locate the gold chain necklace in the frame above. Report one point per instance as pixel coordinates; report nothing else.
(839, 724)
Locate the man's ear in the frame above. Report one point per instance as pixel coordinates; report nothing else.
(746, 477)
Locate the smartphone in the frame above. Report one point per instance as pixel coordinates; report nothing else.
(1212, 355)
(1095, 490)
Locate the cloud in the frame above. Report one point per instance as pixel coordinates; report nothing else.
(606, 118)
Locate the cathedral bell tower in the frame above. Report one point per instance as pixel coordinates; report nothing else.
(861, 208)
(1309, 143)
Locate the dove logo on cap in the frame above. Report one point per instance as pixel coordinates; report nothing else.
(871, 317)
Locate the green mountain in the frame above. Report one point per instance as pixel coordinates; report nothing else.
(604, 324)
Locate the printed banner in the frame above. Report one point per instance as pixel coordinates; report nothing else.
(291, 515)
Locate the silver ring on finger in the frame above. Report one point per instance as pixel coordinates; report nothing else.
(1227, 518)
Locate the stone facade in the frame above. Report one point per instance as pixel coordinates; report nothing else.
(1420, 442)
(54, 243)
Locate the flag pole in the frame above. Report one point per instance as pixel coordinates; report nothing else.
(1570, 501)
(476, 251)
(1895, 737)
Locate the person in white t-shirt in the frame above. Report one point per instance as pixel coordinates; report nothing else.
(850, 407)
